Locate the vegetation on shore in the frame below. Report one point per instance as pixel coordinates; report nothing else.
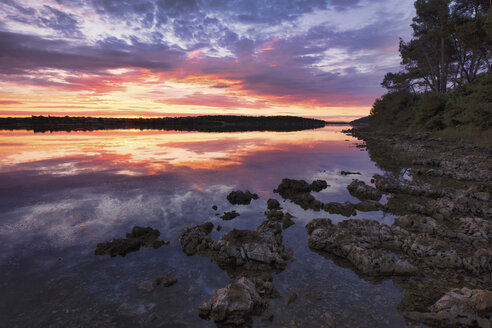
(207, 123)
(446, 83)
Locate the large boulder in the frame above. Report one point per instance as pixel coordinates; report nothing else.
(234, 305)
(459, 308)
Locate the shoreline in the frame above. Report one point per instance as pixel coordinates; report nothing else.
(206, 123)
(441, 191)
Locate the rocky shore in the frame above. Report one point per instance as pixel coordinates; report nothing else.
(438, 250)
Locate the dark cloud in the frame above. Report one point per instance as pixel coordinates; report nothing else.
(28, 52)
(55, 19)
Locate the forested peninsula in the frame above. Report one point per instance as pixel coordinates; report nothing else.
(205, 123)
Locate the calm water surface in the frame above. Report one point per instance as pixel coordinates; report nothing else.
(62, 193)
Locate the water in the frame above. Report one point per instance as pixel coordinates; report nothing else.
(62, 193)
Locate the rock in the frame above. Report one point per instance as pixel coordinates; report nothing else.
(239, 197)
(363, 243)
(229, 215)
(290, 298)
(267, 316)
(240, 252)
(146, 285)
(153, 317)
(369, 206)
(196, 238)
(460, 307)
(318, 185)
(165, 280)
(287, 221)
(234, 305)
(266, 288)
(391, 185)
(273, 204)
(348, 172)
(219, 227)
(345, 209)
(275, 215)
(313, 296)
(214, 207)
(363, 192)
(138, 237)
(298, 191)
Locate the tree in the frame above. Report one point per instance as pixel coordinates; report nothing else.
(428, 55)
(470, 40)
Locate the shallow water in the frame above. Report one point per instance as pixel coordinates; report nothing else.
(62, 193)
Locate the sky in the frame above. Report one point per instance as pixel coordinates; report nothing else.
(148, 58)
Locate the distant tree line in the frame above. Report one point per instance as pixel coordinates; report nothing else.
(446, 80)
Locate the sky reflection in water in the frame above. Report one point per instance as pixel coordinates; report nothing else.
(62, 193)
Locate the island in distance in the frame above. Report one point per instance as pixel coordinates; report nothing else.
(208, 123)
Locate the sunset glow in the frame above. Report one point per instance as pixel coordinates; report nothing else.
(175, 58)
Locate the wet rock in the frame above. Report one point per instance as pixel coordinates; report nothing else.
(196, 238)
(417, 223)
(219, 227)
(275, 215)
(298, 191)
(165, 280)
(239, 197)
(240, 252)
(266, 288)
(287, 221)
(391, 185)
(369, 206)
(267, 316)
(348, 172)
(460, 307)
(363, 192)
(290, 298)
(290, 187)
(230, 215)
(138, 237)
(273, 204)
(318, 185)
(234, 305)
(214, 207)
(345, 209)
(364, 243)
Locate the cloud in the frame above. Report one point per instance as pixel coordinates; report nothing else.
(269, 51)
(21, 52)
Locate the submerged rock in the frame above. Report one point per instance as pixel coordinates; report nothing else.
(290, 298)
(362, 191)
(138, 237)
(165, 280)
(239, 197)
(234, 305)
(230, 215)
